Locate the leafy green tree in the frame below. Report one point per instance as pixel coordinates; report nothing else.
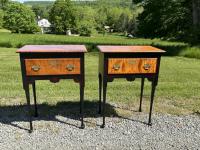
(85, 28)
(40, 11)
(3, 3)
(1, 18)
(123, 22)
(62, 16)
(113, 15)
(101, 18)
(86, 23)
(164, 18)
(19, 19)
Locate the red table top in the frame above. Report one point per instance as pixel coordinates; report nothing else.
(52, 48)
(129, 49)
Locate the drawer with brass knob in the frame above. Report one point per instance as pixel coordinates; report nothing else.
(56, 66)
(131, 65)
(129, 62)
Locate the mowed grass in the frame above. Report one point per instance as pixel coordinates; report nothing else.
(178, 91)
(18, 40)
(10, 40)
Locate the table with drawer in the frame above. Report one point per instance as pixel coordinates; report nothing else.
(128, 62)
(52, 62)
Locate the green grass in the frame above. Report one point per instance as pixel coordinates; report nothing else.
(191, 52)
(18, 40)
(177, 91)
(173, 48)
(5, 31)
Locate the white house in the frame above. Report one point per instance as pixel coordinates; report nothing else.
(45, 25)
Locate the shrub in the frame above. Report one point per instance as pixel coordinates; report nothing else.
(19, 19)
(85, 28)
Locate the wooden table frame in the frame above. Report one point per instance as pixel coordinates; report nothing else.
(30, 80)
(104, 77)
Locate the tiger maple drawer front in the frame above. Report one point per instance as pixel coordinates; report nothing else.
(54, 66)
(131, 65)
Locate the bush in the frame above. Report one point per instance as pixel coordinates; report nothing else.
(85, 28)
(19, 19)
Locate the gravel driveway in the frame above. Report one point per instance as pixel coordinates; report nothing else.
(167, 132)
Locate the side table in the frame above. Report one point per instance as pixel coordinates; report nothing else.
(52, 62)
(128, 62)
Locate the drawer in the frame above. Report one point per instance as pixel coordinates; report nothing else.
(55, 66)
(131, 65)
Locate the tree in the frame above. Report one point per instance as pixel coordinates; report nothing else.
(41, 11)
(1, 18)
(62, 16)
(113, 15)
(196, 12)
(100, 18)
(19, 19)
(123, 22)
(86, 23)
(3, 3)
(162, 18)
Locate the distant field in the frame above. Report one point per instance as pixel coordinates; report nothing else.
(173, 48)
(4, 31)
(177, 91)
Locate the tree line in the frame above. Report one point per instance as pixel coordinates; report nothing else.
(171, 19)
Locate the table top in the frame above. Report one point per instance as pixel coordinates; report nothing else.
(52, 49)
(129, 49)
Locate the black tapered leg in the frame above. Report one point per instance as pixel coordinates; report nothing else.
(82, 103)
(100, 89)
(141, 94)
(104, 102)
(35, 101)
(29, 106)
(152, 99)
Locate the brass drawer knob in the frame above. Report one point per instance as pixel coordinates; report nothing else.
(35, 68)
(147, 66)
(116, 67)
(70, 67)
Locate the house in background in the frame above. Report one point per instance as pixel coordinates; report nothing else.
(45, 25)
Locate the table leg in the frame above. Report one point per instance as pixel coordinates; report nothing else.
(100, 90)
(141, 94)
(153, 87)
(35, 101)
(104, 101)
(29, 106)
(82, 103)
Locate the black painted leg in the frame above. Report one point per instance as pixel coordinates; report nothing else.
(152, 99)
(141, 94)
(100, 89)
(29, 106)
(35, 101)
(104, 102)
(82, 104)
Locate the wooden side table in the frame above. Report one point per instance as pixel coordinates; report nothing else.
(128, 62)
(52, 62)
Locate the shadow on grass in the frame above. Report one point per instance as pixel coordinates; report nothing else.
(46, 112)
(197, 113)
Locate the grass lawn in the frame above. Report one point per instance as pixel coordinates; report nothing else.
(9, 40)
(5, 31)
(178, 90)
